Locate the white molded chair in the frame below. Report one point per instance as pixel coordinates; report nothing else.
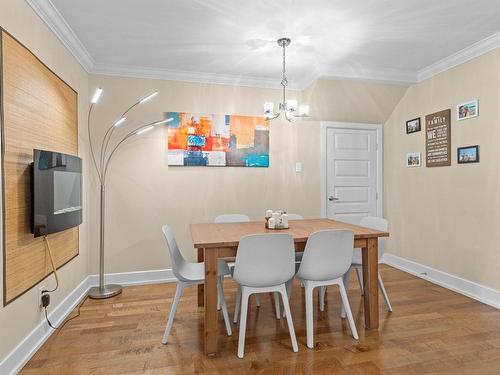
(327, 257)
(188, 274)
(380, 224)
(231, 218)
(264, 263)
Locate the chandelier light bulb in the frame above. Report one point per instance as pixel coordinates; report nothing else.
(291, 105)
(304, 110)
(268, 107)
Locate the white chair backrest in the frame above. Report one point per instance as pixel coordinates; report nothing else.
(328, 255)
(377, 223)
(265, 260)
(178, 261)
(232, 218)
(294, 217)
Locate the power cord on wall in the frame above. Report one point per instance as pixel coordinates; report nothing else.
(46, 295)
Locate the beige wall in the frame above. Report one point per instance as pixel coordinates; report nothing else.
(22, 315)
(352, 101)
(144, 193)
(448, 217)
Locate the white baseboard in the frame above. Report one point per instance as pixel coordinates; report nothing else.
(22, 353)
(468, 288)
(136, 278)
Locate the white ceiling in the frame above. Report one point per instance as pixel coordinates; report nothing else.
(391, 40)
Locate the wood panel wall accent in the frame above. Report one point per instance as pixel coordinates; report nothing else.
(38, 110)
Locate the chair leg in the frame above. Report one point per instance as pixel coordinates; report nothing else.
(257, 300)
(243, 322)
(237, 305)
(322, 292)
(286, 307)
(220, 292)
(359, 275)
(277, 304)
(309, 314)
(221, 281)
(289, 286)
(384, 293)
(345, 279)
(345, 303)
(173, 309)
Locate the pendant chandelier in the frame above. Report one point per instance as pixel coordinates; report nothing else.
(287, 106)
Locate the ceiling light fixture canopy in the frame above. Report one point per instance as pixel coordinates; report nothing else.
(287, 107)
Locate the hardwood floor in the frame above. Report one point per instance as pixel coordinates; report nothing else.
(431, 331)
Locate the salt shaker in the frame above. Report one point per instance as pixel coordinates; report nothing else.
(271, 223)
(284, 220)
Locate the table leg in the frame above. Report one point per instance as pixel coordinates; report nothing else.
(211, 301)
(370, 282)
(201, 293)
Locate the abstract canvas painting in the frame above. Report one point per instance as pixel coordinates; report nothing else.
(217, 140)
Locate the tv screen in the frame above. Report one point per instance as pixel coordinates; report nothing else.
(56, 189)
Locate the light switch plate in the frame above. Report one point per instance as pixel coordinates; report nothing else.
(298, 167)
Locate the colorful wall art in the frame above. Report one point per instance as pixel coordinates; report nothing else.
(217, 140)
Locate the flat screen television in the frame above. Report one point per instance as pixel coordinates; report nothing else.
(56, 192)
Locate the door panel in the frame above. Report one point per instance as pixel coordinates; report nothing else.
(351, 174)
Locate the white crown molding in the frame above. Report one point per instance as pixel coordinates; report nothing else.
(15, 360)
(468, 288)
(391, 76)
(475, 50)
(186, 76)
(56, 22)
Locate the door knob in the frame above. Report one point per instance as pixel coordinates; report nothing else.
(332, 198)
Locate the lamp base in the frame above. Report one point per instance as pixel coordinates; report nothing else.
(108, 291)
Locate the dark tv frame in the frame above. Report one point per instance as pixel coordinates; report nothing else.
(60, 222)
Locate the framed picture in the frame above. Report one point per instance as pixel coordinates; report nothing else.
(468, 110)
(468, 154)
(413, 126)
(413, 159)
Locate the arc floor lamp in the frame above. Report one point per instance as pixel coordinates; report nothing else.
(101, 165)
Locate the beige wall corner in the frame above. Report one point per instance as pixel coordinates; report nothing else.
(352, 101)
(447, 217)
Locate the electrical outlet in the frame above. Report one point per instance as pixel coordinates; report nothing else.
(41, 288)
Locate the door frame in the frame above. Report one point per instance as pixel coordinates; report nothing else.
(325, 125)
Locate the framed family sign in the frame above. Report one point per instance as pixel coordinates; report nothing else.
(438, 139)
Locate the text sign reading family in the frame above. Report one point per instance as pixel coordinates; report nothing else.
(438, 139)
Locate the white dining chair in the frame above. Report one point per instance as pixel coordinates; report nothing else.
(187, 274)
(298, 255)
(377, 223)
(264, 263)
(233, 218)
(327, 257)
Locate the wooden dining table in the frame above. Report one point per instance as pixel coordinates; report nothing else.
(215, 241)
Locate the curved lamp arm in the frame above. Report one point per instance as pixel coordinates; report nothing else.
(109, 133)
(136, 131)
(90, 142)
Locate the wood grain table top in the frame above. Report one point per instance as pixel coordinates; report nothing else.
(229, 234)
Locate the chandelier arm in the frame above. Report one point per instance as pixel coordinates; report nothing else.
(273, 116)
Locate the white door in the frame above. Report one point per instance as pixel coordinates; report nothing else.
(351, 175)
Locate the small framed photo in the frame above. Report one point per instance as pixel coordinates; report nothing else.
(413, 159)
(468, 154)
(468, 110)
(413, 126)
